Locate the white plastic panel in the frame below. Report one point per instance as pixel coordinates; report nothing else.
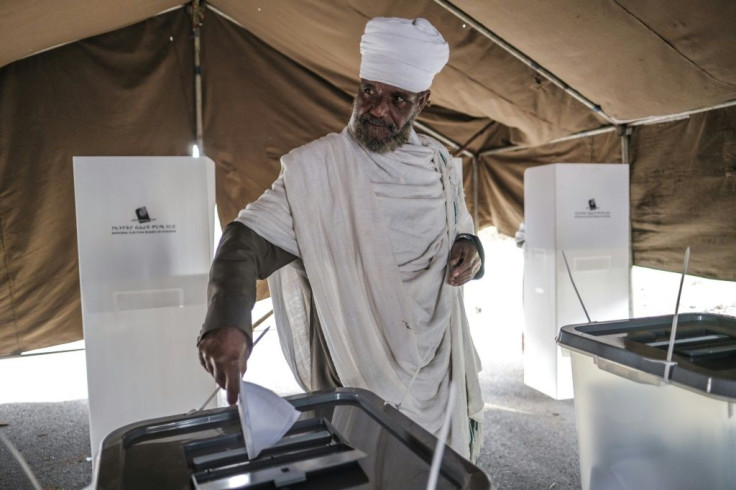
(583, 210)
(144, 231)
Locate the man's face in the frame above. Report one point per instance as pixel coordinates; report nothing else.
(383, 115)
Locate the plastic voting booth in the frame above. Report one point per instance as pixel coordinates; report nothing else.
(578, 212)
(145, 235)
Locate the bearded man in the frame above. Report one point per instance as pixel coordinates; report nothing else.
(365, 238)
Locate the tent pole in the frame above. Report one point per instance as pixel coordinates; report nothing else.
(474, 163)
(678, 116)
(465, 145)
(606, 129)
(582, 134)
(440, 137)
(624, 133)
(524, 58)
(197, 18)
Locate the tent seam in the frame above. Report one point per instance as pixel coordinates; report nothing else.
(6, 263)
(281, 52)
(671, 46)
(509, 101)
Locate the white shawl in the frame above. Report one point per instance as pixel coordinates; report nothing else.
(388, 327)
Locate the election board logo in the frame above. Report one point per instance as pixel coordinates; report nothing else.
(592, 210)
(143, 225)
(142, 215)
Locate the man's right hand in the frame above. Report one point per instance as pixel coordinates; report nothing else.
(223, 353)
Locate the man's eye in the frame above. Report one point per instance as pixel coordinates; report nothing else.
(399, 99)
(368, 91)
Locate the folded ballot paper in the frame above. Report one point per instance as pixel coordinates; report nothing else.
(264, 417)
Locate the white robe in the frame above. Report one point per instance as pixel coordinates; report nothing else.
(373, 234)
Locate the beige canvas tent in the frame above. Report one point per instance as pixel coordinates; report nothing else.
(651, 83)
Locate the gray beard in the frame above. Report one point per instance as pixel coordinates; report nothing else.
(395, 139)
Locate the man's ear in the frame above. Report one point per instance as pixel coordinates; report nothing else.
(423, 100)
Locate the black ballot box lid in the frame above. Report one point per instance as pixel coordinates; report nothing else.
(704, 350)
(345, 438)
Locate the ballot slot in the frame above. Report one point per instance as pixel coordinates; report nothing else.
(310, 450)
(238, 453)
(311, 471)
(702, 341)
(700, 345)
(224, 449)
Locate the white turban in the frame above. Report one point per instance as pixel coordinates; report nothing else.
(404, 53)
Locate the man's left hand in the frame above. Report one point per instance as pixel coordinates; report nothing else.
(464, 262)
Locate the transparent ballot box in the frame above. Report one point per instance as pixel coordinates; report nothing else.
(639, 428)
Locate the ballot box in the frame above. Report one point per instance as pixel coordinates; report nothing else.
(637, 426)
(344, 439)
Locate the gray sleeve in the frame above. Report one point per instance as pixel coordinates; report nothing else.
(242, 257)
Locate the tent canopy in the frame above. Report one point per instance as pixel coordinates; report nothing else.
(527, 83)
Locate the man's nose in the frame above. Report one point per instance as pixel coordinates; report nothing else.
(379, 108)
